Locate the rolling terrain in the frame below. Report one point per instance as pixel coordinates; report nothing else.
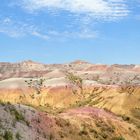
(72, 101)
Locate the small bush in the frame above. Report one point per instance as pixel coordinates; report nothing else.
(18, 136)
(136, 113)
(27, 123)
(83, 132)
(18, 115)
(104, 136)
(2, 103)
(126, 118)
(118, 138)
(8, 135)
(75, 80)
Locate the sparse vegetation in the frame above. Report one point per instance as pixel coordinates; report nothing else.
(84, 116)
(18, 136)
(36, 84)
(2, 103)
(125, 118)
(118, 138)
(76, 81)
(126, 89)
(129, 84)
(8, 135)
(51, 137)
(83, 130)
(17, 115)
(136, 113)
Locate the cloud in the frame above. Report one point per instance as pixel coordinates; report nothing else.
(78, 22)
(10, 33)
(52, 34)
(83, 34)
(7, 27)
(105, 9)
(7, 20)
(14, 28)
(40, 35)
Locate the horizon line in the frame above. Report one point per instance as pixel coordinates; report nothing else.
(68, 62)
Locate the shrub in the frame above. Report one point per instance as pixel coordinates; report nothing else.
(2, 103)
(118, 138)
(83, 130)
(75, 80)
(18, 115)
(126, 118)
(18, 136)
(8, 135)
(136, 113)
(36, 84)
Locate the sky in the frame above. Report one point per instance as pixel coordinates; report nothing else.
(61, 31)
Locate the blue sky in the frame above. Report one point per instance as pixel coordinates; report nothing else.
(59, 31)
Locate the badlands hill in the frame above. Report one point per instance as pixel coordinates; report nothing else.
(73, 101)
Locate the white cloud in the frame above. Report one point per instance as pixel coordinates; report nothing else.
(14, 28)
(18, 29)
(83, 34)
(95, 8)
(52, 34)
(10, 33)
(83, 12)
(40, 35)
(7, 20)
